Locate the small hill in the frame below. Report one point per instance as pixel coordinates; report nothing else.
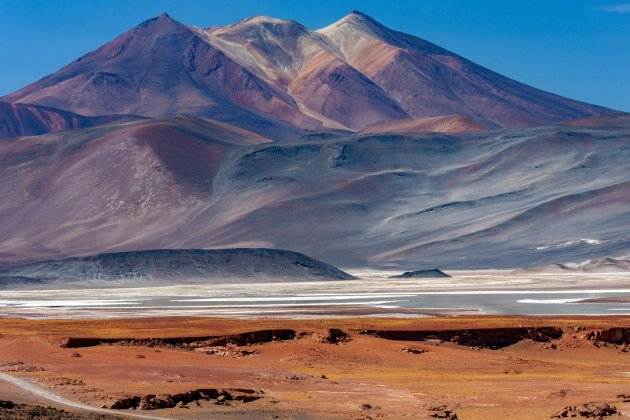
(174, 266)
(421, 274)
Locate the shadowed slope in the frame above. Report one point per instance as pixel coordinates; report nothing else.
(106, 186)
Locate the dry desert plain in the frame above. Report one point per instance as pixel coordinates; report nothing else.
(488, 367)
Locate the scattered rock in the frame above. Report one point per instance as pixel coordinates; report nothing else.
(413, 351)
(19, 366)
(623, 397)
(75, 355)
(594, 410)
(366, 407)
(140, 356)
(442, 412)
(227, 351)
(11, 410)
(67, 382)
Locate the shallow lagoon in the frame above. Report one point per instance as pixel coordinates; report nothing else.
(491, 292)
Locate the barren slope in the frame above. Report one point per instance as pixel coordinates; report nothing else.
(504, 199)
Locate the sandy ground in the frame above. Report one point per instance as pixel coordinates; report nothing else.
(305, 377)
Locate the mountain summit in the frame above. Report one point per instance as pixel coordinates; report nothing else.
(279, 78)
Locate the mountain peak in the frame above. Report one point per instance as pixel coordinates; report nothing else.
(361, 20)
(162, 20)
(357, 23)
(262, 24)
(358, 15)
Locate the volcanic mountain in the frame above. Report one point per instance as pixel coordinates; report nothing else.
(281, 79)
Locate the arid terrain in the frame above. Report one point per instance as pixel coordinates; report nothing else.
(474, 367)
(268, 220)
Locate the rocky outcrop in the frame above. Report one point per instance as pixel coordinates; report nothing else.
(592, 410)
(442, 412)
(161, 401)
(492, 338)
(617, 335)
(336, 336)
(419, 274)
(190, 343)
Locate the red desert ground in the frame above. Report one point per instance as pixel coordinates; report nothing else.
(261, 220)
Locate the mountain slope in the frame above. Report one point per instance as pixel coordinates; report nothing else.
(502, 199)
(428, 80)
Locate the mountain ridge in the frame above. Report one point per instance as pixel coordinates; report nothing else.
(278, 78)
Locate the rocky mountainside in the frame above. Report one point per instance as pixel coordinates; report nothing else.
(281, 79)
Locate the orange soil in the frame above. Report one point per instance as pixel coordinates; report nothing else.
(524, 381)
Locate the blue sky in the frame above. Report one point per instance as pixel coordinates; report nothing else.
(577, 48)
